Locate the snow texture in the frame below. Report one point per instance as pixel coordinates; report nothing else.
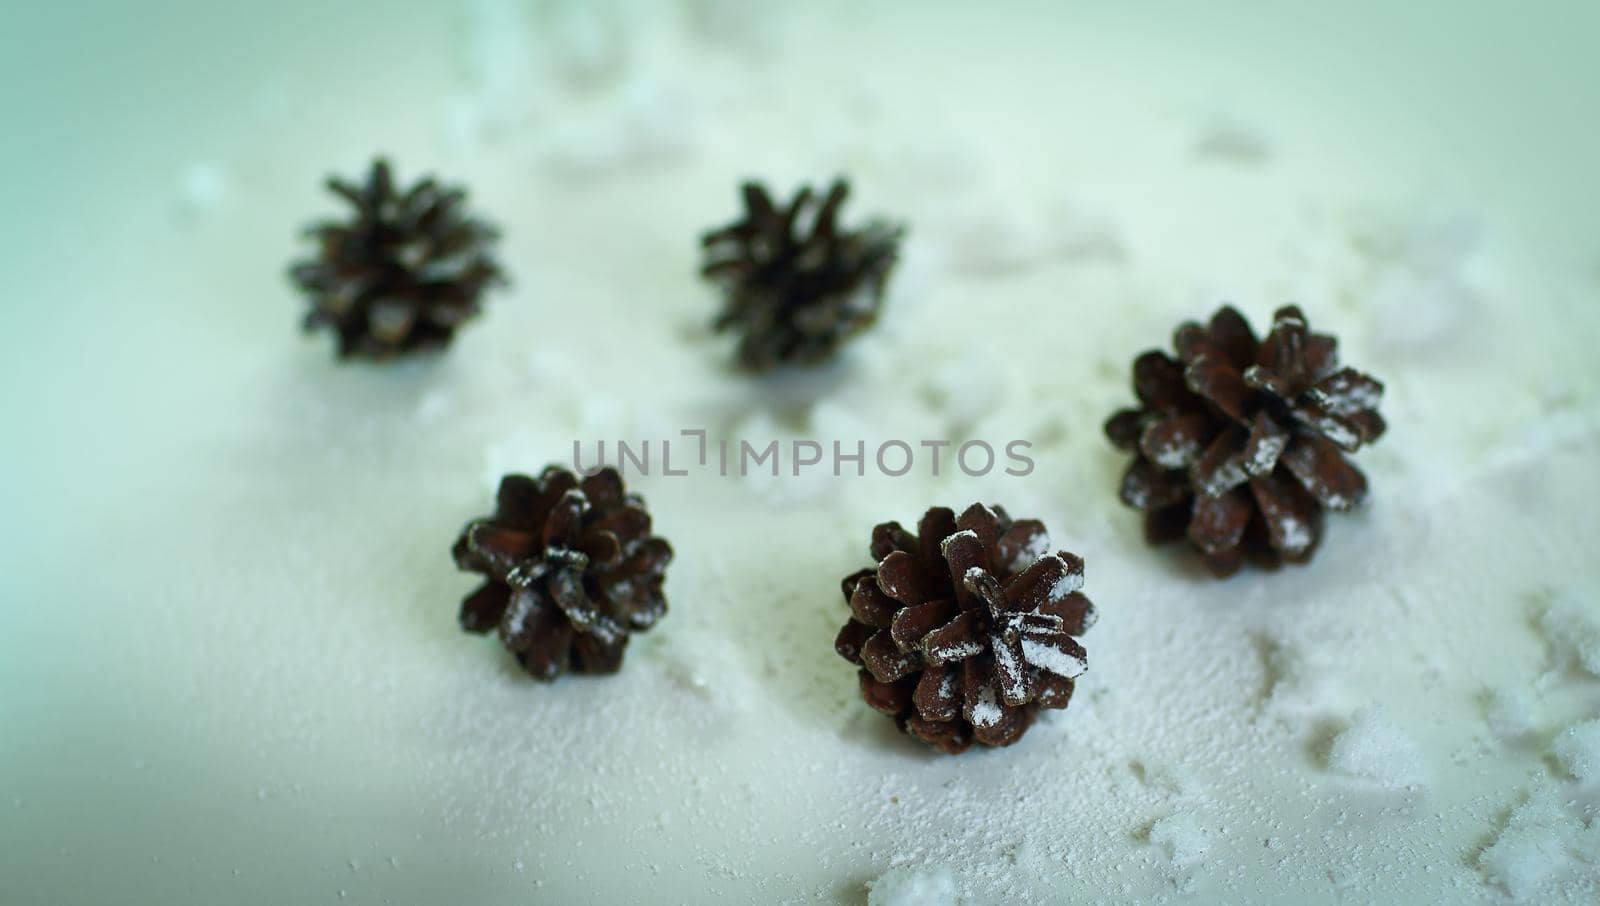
(1510, 712)
(1053, 659)
(1373, 748)
(1180, 839)
(1571, 628)
(1540, 841)
(913, 886)
(1577, 750)
(1420, 294)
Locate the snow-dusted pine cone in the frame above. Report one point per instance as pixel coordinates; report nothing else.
(402, 273)
(570, 570)
(797, 284)
(1239, 444)
(966, 629)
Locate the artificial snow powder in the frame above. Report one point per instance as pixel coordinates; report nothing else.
(906, 886)
(1540, 839)
(1180, 839)
(1571, 627)
(1577, 750)
(1373, 748)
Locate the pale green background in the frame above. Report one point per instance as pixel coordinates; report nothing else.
(130, 766)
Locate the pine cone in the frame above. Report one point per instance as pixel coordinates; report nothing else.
(795, 292)
(1240, 443)
(965, 630)
(571, 569)
(403, 273)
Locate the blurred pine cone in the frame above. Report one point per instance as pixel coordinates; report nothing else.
(965, 630)
(796, 290)
(570, 570)
(402, 273)
(1239, 444)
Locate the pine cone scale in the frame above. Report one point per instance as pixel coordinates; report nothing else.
(1016, 689)
(1291, 520)
(548, 652)
(1264, 445)
(1054, 692)
(1222, 385)
(1145, 486)
(902, 577)
(481, 610)
(957, 640)
(851, 639)
(521, 616)
(1024, 542)
(889, 698)
(937, 524)
(912, 624)
(936, 695)
(1219, 522)
(885, 660)
(1074, 611)
(1329, 477)
(1176, 441)
(1047, 582)
(1158, 381)
(964, 554)
(871, 606)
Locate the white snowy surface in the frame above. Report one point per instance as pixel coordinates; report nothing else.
(906, 886)
(227, 609)
(1541, 844)
(1577, 750)
(1180, 839)
(1571, 627)
(1372, 748)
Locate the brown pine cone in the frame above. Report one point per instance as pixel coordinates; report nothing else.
(570, 567)
(795, 292)
(401, 274)
(965, 630)
(1239, 444)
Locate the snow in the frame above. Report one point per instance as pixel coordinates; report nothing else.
(1299, 677)
(1510, 712)
(990, 236)
(1539, 841)
(913, 886)
(1053, 659)
(1577, 750)
(1421, 291)
(1028, 555)
(1372, 747)
(1069, 581)
(1180, 839)
(1571, 628)
(1295, 534)
(986, 710)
